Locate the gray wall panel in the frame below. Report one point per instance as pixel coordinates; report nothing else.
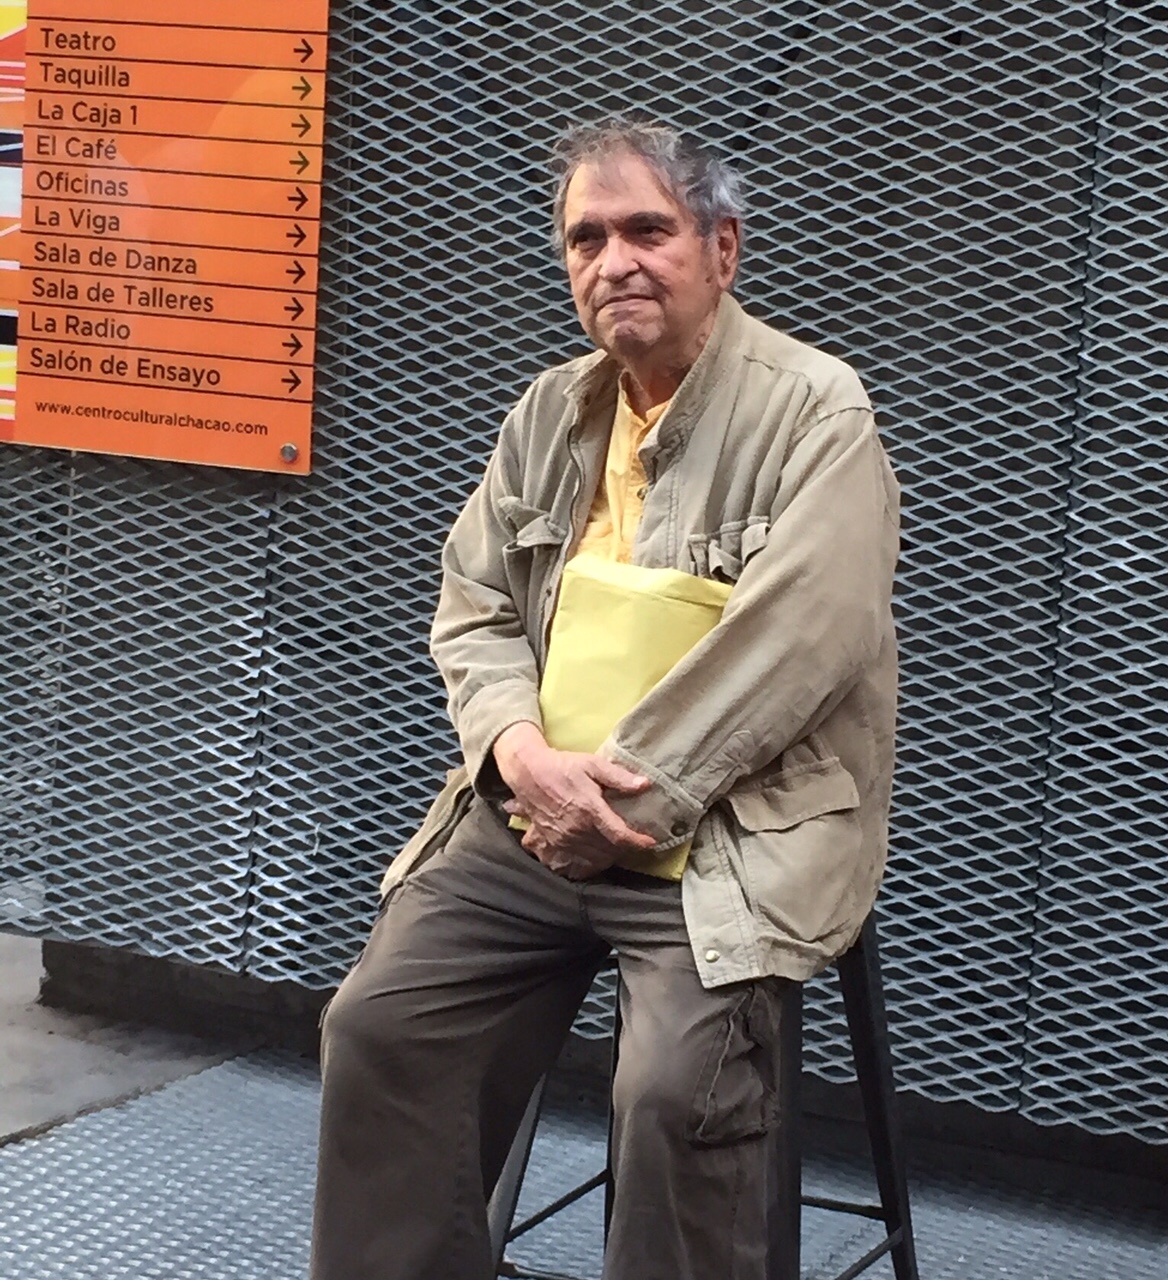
(1098, 1019)
(222, 718)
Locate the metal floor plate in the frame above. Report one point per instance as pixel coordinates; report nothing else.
(211, 1179)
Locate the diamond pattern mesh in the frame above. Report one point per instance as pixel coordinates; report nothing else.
(221, 714)
(1099, 1004)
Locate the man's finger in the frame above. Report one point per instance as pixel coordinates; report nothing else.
(615, 776)
(617, 831)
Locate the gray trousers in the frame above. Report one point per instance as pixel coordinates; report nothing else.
(468, 986)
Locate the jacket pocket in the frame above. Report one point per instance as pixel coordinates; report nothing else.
(799, 846)
(723, 555)
(736, 1097)
(529, 557)
(533, 527)
(794, 796)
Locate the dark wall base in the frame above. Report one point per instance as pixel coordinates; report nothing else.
(225, 1006)
(199, 999)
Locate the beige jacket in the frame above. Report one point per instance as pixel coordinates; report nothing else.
(771, 743)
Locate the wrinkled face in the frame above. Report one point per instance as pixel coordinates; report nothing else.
(645, 282)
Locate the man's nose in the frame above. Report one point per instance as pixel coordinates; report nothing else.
(618, 259)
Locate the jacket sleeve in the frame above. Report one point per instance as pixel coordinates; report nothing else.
(807, 614)
(478, 640)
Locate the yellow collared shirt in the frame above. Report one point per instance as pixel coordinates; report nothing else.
(616, 509)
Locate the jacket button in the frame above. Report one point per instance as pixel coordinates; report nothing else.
(713, 955)
(679, 828)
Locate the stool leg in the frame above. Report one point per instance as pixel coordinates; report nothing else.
(609, 1179)
(504, 1198)
(784, 1214)
(863, 992)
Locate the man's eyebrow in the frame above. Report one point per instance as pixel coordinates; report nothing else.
(651, 217)
(585, 227)
(644, 218)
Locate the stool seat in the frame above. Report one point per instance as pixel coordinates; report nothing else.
(862, 988)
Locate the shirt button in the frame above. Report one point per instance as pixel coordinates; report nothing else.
(713, 955)
(679, 828)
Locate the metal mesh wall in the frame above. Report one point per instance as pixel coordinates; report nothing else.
(222, 715)
(1098, 1020)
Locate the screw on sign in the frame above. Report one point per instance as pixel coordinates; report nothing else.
(171, 244)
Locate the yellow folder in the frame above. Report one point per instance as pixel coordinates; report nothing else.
(618, 629)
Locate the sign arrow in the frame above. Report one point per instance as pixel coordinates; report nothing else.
(293, 345)
(304, 49)
(298, 199)
(300, 163)
(292, 381)
(303, 87)
(297, 235)
(296, 271)
(303, 125)
(296, 309)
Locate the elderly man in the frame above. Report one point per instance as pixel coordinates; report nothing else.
(730, 833)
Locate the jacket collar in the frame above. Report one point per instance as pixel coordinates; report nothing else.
(598, 377)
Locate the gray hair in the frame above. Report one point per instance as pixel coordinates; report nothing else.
(699, 181)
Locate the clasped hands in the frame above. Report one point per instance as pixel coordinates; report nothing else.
(574, 831)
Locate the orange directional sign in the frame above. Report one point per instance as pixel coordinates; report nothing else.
(151, 191)
(171, 226)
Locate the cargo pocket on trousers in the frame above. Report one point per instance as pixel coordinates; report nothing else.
(736, 1096)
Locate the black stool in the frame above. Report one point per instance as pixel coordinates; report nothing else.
(863, 993)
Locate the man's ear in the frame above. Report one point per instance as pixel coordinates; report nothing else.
(727, 247)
